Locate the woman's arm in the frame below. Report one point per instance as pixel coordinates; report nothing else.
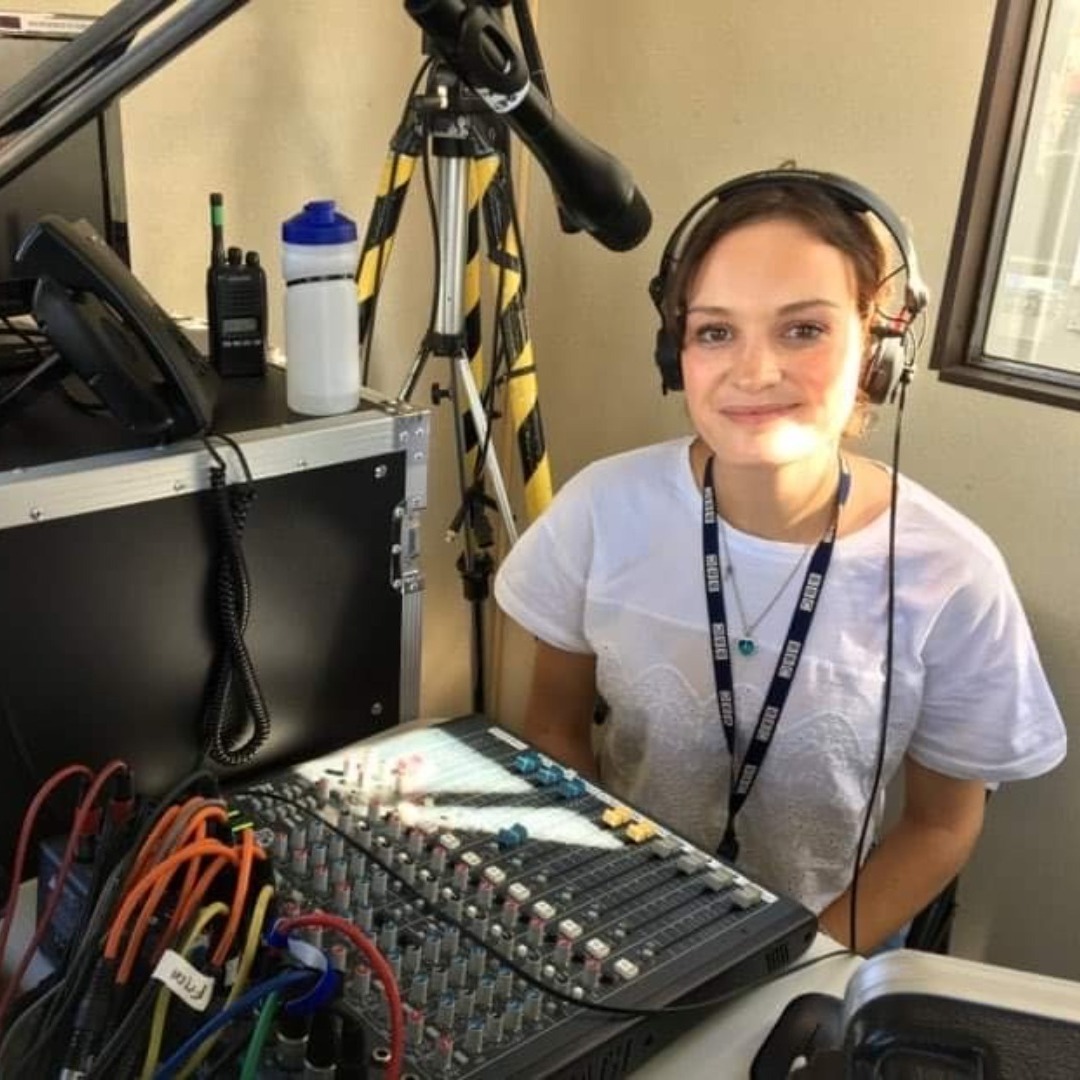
(926, 849)
(559, 711)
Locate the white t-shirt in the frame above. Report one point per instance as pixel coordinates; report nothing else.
(614, 568)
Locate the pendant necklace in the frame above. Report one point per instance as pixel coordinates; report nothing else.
(746, 643)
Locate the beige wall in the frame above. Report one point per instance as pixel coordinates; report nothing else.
(296, 99)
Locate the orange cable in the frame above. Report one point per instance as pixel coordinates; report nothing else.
(249, 851)
(143, 886)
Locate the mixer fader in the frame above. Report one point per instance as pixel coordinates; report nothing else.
(514, 901)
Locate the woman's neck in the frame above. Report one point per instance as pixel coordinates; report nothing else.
(792, 503)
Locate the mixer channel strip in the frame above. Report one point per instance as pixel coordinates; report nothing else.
(510, 897)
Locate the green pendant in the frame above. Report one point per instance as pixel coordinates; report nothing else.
(746, 647)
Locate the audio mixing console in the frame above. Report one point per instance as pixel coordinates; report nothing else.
(519, 905)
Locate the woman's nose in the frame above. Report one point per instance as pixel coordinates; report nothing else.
(756, 365)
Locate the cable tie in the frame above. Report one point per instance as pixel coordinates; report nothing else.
(308, 956)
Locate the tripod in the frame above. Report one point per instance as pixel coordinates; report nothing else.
(473, 181)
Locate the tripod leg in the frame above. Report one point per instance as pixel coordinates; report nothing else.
(379, 238)
(406, 146)
(480, 172)
(522, 388)
(491, 463)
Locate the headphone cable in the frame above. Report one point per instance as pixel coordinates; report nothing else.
(890, 635)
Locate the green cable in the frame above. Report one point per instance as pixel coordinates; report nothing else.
(258, 1037)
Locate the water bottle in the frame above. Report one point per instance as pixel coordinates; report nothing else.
(319, 257)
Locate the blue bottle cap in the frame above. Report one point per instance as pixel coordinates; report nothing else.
(319, 223)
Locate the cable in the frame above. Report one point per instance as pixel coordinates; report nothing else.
(222, 726)
(890, 634)
(247, 960)
(165, 868)
(279, 982)
(249, 851)
(11, 1038)
(250, 1068)
(142, 924)
(381, 969)
(80, 965)
(51, 361)
(135, 1018)
(81, 814)
(25, 832)
(164, 995)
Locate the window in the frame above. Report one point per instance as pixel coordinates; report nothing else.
(1010, 311)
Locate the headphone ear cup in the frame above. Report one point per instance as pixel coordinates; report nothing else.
(884, 362)
(668, 357)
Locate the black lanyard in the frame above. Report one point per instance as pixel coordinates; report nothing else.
(787, 663)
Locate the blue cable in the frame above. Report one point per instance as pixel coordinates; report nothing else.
(172, 1065)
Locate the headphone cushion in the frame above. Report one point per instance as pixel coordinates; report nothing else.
(669, 360)
(882, 367)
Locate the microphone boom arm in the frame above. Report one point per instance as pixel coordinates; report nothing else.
(64, 107)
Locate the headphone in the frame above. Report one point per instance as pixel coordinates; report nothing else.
(889, 355)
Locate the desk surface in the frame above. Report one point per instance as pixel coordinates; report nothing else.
(723, 1045)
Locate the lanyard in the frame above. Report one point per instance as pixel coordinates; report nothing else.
(787, 663)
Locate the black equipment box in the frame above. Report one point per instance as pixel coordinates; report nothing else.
(107, 556)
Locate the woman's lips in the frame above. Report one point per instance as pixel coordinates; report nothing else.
(754, 415)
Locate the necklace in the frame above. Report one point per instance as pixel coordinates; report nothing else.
(745, 643)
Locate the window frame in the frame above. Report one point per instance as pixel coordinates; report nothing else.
(1001, 127)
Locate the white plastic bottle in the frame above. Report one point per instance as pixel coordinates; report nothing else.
(319, 257)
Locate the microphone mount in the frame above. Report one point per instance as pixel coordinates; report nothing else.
(592, 189)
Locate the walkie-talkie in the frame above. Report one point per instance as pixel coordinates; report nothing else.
(235, 302)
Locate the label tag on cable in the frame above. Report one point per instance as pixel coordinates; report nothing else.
(184, 980)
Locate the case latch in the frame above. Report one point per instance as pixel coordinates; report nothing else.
(405, 573)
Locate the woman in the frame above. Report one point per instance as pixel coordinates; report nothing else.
(635, 590)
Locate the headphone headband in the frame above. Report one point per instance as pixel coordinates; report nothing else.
(850, 195)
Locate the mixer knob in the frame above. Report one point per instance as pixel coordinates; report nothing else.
(474, 1035)
(418, 991)
(438, 860)
(444, 1017)
(299, 861)
(493, 1028)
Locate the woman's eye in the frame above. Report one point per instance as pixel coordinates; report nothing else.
(806, 331)
(710, 334)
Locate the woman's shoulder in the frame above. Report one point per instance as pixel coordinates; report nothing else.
(926, 523)
(920, 508)
(932, 515)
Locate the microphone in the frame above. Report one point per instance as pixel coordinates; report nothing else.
(594, 190)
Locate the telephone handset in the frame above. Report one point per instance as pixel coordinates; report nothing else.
(113, 334)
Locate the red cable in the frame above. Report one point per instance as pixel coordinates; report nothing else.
(379, 966)
(29, 818)
(85, 808)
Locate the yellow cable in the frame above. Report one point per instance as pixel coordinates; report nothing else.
(247, 959)
(161, 1006)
